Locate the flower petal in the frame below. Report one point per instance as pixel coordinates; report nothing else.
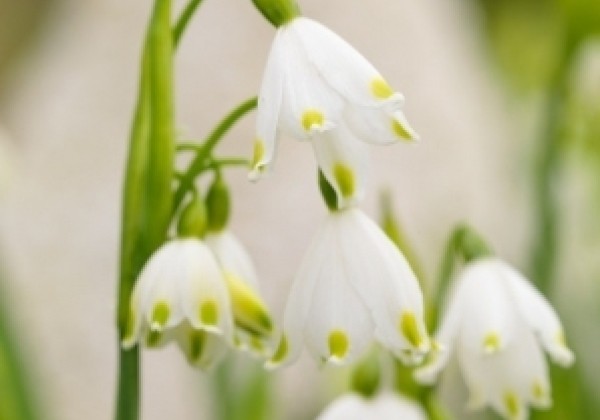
(270, 100)
(339, 327)
(342, 66)
(386, 283)
(159, 281)
(344, 161)
(232, 257)
(299, 300)
(379, 125)
(539, 315)
(203, 292)
(202, 348)
(309, 105)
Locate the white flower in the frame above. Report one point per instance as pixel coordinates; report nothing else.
(181, 295)
(385, 406)
(353, 286)
(251, 315)
(498, 324)
(316, 85)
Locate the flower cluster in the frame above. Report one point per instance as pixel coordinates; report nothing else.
(354, 285)
(201, 291)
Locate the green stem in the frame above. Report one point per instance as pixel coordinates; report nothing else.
(16, 399)
(545, 250)
(198, 163)
(132, 255)
(465, 244)
(183, 20)
(220, 162)
(147, 188)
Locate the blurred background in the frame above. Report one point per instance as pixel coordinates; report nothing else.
(504, 93)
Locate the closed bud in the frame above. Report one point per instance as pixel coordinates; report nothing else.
(278, 12)
(218, 205)
(193, 219)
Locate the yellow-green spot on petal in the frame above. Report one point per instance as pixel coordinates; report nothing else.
(259, 152)
(209, 313)
(153, 338)
(311, 118)
(400, 130)
(282, 351)
(160, 315)
(380, 88)
(538, 391)
(511, 402)
(491, 342)
(410, 329)
(338, 344)
(197, 339)
(249, 312)
(344, 177)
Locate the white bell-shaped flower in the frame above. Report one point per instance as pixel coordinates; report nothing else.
(354, 286)
(181, 294)
(498, 325)
(385, 406)
(252, 319)
(314, 85)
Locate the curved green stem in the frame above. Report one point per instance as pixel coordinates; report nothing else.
(545, 248)
(197, 164)
(183, 20)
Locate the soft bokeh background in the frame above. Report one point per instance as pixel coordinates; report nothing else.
(68, 72)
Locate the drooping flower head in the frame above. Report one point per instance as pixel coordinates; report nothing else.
(185, 294)
(386, 405)
(180, 294)
(499, 325)
(318, 87)
(353, 287)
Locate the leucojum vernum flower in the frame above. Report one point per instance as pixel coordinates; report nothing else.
(187, 279)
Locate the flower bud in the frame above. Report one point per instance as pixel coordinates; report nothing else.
(218, 205)
(278, 12)
(193, 219)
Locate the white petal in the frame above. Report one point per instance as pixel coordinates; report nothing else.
(343, 159)
(386, 283)
(202, 348)
(269, 107)
(309, 104)
(338, 326)
(160, 281)
(299, 300)
(445, 339)
(342, 66)
(539, 315)
(232, 257)
(379, 125)
(203, 292)
(510, 379)
(384, 406)
(489, 321)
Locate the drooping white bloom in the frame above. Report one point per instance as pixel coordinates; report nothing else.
(318, 87)
(181, 295)
(354, 286)
(254, 325)
(499, 324)
(385, 406)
